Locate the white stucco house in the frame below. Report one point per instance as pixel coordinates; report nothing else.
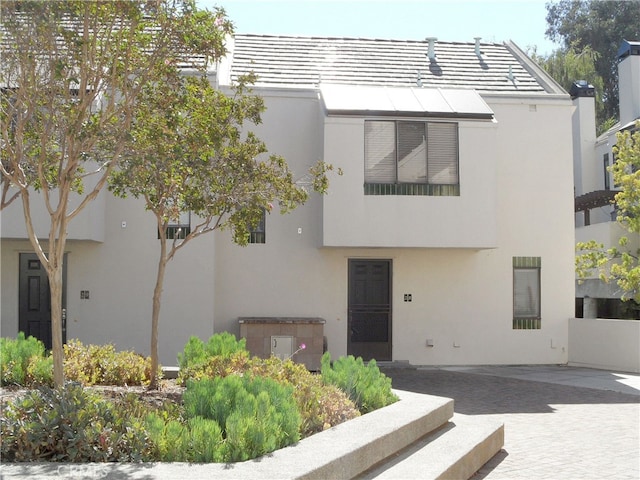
(594, 187)
(449, 238)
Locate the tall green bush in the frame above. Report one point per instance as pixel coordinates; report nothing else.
(196, 352)
(256, 415)
(364, 384)
(23, 361)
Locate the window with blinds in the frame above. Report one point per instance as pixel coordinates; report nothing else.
(411, 158)
(526, 293)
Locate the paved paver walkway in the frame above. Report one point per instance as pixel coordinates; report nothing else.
(553, 428)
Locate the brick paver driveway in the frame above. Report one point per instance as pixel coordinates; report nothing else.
(551, 431)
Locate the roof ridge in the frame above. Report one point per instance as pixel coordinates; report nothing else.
(373, 39)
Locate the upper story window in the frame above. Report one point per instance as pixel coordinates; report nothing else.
(411, 158)
(257, 234)
(180, 229)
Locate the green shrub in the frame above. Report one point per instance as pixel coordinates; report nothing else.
(196, 352)
(23, 362)
(217, 366)
(70, 424)
(364, 384)
(207, 443)
(321, 406)
(102, 365)
(256, 415)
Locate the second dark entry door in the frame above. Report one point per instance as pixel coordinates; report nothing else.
(35, 300)
(369, 322)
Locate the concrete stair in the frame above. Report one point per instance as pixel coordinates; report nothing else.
(424, 440)
(455, 451)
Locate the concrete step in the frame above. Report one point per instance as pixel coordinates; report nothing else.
(456, 451)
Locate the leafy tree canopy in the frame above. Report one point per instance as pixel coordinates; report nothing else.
(600, 26)
(74, 75)
(620, 264)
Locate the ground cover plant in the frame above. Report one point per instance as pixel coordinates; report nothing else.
(225, 406)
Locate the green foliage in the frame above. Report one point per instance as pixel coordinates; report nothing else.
(621, 263)
(75, 115)
(364, 384)
(217, 366)
(196, 440)
(569, 65)
(103, 365)
(256, 415)
(321, 406)
(602, 26)
(70, 424)
(23, 362)
(224, 345)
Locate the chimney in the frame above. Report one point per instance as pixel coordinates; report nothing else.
(629, 81)
(432, 47)
(478, 52)
(586, 169)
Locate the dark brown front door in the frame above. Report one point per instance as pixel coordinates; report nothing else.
(369, 324)
(35, 300)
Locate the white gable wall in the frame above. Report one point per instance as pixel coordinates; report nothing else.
(452, 254)
(461, 297)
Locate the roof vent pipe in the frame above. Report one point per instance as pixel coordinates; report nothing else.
(432, 46)
(478, 52)
(511, 77)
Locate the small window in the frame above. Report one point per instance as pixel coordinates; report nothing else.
(526, 293)
(257, 234)
(180, 229)
(605, 160)
(411, 158)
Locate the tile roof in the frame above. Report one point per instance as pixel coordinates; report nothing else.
(306, 61)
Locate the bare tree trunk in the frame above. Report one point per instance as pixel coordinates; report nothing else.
(53, 264)
(55, 284)
(155, 314)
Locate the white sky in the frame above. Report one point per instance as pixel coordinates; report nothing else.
(522, 21)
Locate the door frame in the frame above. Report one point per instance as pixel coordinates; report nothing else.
(382, 351)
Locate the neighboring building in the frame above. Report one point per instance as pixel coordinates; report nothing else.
(447, 240)
(594, 188)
